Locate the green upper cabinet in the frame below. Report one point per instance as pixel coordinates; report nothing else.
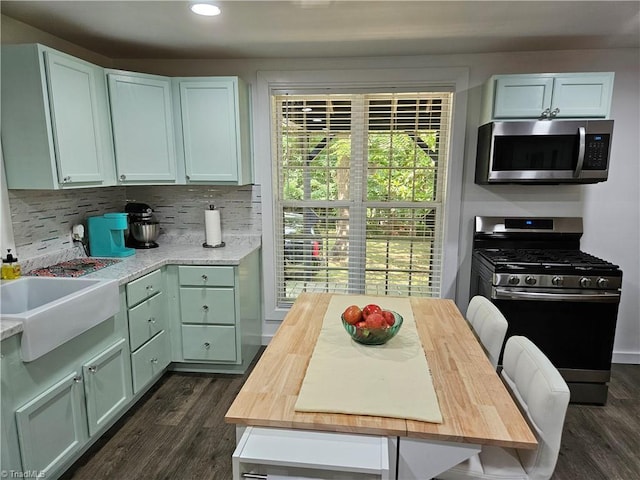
(213, 129)
(548, 96)
(55, 120)
(143, 132)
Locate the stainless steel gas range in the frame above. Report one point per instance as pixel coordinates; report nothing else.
(564, 300)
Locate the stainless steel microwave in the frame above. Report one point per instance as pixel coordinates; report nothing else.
(544, 151)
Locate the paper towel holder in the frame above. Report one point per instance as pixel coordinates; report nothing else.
(219, 245)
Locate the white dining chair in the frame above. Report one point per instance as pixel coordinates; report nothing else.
(489, 325)
(543, 396)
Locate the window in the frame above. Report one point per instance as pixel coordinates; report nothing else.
(359, 192)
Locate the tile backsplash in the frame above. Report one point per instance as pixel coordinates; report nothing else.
(42, 219)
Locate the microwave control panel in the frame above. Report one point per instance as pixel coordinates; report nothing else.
(596, 152)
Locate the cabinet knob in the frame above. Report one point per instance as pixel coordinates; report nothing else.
(205, 308)
(77, 379)
(152, 320)
(66, 179)
(149, 288)
(187, 177)
(554, 112)
(207, 345)
(545, 113)
(154, 360)
(93, 369)
(123, 177)
(205, 278)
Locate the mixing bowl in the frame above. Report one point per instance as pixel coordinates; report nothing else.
(145, 232)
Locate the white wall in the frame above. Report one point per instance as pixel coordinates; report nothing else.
(611, 210)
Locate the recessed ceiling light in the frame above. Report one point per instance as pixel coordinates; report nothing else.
(206, 9)
(317, 120)
(306, 109)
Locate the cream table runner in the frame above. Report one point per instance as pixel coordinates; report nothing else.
(391, 380)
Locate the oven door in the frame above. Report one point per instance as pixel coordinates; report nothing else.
(574, 328)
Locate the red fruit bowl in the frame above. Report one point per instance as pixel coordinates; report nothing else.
(373, 336)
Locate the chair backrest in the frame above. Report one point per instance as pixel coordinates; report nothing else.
(489, 325)
(543, 396)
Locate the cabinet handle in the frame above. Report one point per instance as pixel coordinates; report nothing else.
(205, 278)
(93, 369)
(207, 345)
(545, 113)
(205, 308)
(152, 320)
(123, 177)
(554, 113)
(77, 379)
(154, 360)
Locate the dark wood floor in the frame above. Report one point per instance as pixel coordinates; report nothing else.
(177, 430)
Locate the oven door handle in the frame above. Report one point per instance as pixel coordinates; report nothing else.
(506, 294)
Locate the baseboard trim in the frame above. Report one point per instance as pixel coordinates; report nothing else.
(626, 357)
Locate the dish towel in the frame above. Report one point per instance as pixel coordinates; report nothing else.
(390, 380)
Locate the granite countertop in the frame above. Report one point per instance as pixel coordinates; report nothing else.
(178, 250)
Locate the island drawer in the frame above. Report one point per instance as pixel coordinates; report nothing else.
(147, 319)
(207, 305)
(209, 342)
(144, 287)
(200, 276)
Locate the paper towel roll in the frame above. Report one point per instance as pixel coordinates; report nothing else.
(212, 231)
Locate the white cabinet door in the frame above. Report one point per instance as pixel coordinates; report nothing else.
(522, 97)
(52, 426)
(56, 131)
(214, 129)
(107, 385)
(587, 96)
(142, 120)
(75, 118)
(208, 129)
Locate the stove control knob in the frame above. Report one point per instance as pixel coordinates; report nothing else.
(603, 282)
(514, 280)
(585, 282)
(557, 281)
(530, 280)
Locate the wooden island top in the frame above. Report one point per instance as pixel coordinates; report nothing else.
(475, 405)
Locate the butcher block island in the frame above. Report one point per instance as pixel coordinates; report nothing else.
(276, 439)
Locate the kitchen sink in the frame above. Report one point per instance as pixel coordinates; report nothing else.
(54, 310)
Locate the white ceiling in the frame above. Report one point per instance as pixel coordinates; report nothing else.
(331, 28)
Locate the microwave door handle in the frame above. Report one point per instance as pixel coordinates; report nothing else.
(582, 134)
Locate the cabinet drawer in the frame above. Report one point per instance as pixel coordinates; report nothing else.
(207, 305)
(209, 342)
(147, 319)
(149, 360)
(144, 287)
(206, 276)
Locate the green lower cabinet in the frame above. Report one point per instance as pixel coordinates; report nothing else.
(150, 360)
(52, 426)
(215, 319)
(209, 343)
(106, 385)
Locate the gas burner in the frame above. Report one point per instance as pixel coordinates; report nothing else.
(510, 258)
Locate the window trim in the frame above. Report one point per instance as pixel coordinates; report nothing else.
(400, 79)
